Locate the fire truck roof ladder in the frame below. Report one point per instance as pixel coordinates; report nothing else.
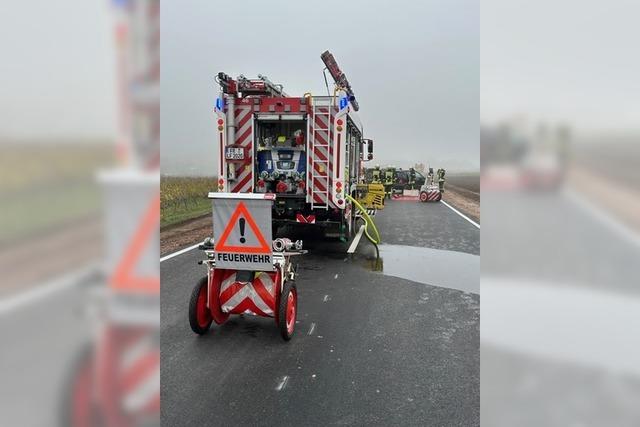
(320, 141)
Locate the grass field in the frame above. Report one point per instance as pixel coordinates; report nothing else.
(47, 185)
(467, 184)
(469, 181)
(184, 198)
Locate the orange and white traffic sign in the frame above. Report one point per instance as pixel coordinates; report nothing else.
(242, 231)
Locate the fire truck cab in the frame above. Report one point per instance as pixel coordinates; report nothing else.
(308, 150)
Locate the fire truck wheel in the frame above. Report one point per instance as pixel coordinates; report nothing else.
(288, 310)
(423, 196)
(199, 315)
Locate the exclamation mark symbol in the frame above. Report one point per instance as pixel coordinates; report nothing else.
(241, 222)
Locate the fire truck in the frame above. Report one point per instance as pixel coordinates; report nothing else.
(308, 150)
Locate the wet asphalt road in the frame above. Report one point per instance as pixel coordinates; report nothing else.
(549, 239)
(369, 348)
(40, 341)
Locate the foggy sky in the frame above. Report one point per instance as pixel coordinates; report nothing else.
(58, 70)
(569, 61)
(414, 67)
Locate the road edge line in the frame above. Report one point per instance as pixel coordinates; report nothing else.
(461, 214)
(180, 252)
(356, 240)
(603, 216)
(51, 287)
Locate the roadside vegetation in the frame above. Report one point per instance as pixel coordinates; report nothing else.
(48, 185)
(183, 198)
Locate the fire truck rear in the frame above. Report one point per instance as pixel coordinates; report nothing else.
(308, 150)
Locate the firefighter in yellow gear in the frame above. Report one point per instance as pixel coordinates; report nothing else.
(412, 178)
(376, 175)
(389, 176)
(441, 180)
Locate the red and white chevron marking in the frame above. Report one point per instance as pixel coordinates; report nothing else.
(244, 138)
(139, 364)
(433, 196)
(309, 219)
(257, 297)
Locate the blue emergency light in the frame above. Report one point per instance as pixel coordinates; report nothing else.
(344, 101)
(219, 104)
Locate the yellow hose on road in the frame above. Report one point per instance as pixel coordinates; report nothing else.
(368, 221)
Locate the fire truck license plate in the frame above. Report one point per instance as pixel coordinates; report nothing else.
(234, 153)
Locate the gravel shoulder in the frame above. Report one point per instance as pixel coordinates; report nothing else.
(178, 236)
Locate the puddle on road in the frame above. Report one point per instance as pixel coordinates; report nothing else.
(449, 269)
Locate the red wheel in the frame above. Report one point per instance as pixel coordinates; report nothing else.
(100, 381)
(78, 408)
(288, 310)
(199, 314)
(423, 196)
(214, 298)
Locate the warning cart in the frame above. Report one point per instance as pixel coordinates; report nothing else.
(247, 271)
(430, 193)
(432, 189)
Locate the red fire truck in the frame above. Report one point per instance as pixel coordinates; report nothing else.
(308, 150)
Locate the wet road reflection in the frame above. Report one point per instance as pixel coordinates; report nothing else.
(436, 267)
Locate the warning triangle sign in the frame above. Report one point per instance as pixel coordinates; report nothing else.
(124, 277)
(238, 217)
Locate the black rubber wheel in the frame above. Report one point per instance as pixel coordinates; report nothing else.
(288, 310)
(199, 315)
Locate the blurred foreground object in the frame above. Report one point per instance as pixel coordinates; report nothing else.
(79, 300)
(116, 381)
(560, 202)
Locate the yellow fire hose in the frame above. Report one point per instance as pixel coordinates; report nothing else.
(368, 221)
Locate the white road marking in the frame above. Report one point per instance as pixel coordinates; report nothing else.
(460, 213)
(312, 328)
(326, 298)
(32, 295)
(356, 240)
(180, 252)
(335, 277)
(621, 229)
(283, 383)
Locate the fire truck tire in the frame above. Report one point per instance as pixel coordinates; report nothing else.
(423, 196)
(288, 310)
(199, 315)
